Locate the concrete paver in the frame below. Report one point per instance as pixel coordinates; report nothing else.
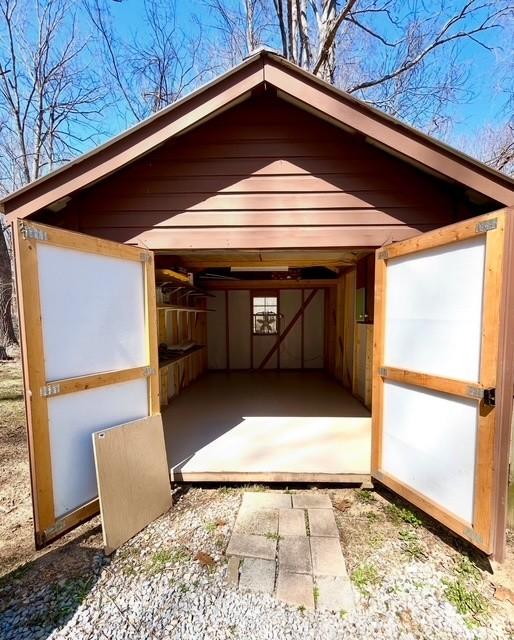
(256, 521)
(291, 522)
(327, 557)
(323, 523)
(257, 500)
(257, 575)
(251, 546)
(232, 575)
(335, 593)
(311, 501)
(294, 554)
(296, 589)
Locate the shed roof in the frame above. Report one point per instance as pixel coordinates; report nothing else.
(263, 69)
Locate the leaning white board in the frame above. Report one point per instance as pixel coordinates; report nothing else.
(133, 478)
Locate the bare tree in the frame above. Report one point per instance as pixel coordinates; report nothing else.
(403, 56)
(155, 65)
(49, 107)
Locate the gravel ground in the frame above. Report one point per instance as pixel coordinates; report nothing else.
(157, 586)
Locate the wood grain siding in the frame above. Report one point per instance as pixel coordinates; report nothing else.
(263, 171)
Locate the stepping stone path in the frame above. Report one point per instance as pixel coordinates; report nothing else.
(289, 545)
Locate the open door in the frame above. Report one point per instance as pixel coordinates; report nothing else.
(88, 328)
(436, 345)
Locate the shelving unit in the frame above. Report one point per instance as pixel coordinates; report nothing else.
(180, 323)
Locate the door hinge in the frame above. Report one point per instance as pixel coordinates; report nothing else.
(475, 392)
(148, 371)
(383, 255)
(490, 397)
(51, 389)
(30, 232)
(382, 371)
(145, 256)
(486, 225)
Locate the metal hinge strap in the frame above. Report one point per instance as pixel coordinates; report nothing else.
(145, 256)
(383, 255)
(30, 232)
(486, 225)
(148, 371)
(51, 389)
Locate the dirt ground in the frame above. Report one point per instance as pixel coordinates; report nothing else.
(369, 520)
(16, 531)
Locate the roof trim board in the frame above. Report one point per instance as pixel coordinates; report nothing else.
(264, 68)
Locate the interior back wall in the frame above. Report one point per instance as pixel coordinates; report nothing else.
(231, 345)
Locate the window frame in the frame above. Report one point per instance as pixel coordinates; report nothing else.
(265, 294)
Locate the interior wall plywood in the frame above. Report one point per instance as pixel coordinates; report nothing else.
(239, 326)
(217, 332)
(434, 310)
(348, 337)
(92, 312)
(314, 325)
(291, 345)
(133, 478)
(362, 362)
(72, 419)
(261, 347)
(429, 443)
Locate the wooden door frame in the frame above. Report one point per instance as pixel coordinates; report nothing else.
(496, 370)
(26, 235)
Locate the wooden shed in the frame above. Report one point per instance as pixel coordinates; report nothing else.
(307, 289)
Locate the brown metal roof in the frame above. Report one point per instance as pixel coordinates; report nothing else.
(292, 84)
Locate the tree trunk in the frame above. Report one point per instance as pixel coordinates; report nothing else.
(7, 333)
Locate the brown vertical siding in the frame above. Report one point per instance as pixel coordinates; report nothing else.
(263, 167)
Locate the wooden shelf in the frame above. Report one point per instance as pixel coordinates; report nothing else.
(178, 307)
(163, 364)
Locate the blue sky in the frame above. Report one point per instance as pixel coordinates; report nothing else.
(482, 108)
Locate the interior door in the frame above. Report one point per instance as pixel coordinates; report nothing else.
(436, 344)
(88, 328)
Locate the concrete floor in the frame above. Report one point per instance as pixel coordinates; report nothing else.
(269, 426)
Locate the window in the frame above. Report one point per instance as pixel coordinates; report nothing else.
(264, 310)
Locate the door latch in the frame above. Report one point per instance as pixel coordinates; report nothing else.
(490, 397)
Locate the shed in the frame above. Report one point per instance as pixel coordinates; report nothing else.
(307, 289)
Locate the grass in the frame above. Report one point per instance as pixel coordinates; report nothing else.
(468, 601)
(11, 383)
(343, 614)
(271, 535)
(466, 569)
(14, 575)
(301, 608)
(315, 593)
(164, 557)
(461, 591)
(210, 527)
(371, 516)
(365, 577)
(256, 488)
(66, 597)
(225, 491)
(411, 546)
(365, 496)
(403, 515)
